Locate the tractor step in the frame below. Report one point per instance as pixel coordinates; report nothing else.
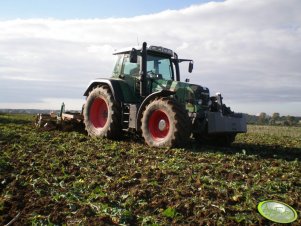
(129, 116)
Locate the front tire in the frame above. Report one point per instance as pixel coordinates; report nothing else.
(102, 114)
(165, 123)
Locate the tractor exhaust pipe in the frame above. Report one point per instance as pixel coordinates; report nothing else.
(143, 72)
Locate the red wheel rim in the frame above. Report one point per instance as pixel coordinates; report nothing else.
(99, 113)
(158, 125)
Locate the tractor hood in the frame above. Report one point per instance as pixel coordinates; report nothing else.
(194, 97)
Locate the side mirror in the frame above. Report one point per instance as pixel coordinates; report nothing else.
(133, 56)
(190, 68)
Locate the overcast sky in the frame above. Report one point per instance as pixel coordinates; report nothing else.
(249, 51)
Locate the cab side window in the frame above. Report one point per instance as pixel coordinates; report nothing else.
(161, 67)
(130, 69)
(118, 66)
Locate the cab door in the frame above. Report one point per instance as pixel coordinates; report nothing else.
(130, 73)
(159, 72)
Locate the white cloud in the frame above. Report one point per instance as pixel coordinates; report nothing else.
(247, 50)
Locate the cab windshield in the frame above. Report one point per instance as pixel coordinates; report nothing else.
(159, 66)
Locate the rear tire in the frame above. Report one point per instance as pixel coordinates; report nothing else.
(165, 123)
(102, 114)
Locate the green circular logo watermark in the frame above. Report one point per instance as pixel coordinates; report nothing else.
(277, 211)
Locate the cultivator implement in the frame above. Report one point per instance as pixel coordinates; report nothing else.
(63, 120)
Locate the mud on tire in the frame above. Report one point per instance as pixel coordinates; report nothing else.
(165, 123)
(102, 114)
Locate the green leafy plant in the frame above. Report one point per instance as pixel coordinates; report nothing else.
(169, 212)
(56, 177)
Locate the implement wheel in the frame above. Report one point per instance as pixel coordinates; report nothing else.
(165, 123)
(102, 114)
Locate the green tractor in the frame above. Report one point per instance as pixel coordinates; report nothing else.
(145, 95)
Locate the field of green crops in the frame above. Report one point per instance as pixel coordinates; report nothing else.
(68, 178)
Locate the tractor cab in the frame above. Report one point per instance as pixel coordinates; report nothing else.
(157, 69)
(161, 63)
(160, 69)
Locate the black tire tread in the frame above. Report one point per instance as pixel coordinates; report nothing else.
(182, 123)
(114, 129)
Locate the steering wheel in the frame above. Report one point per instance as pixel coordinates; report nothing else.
(151, 73)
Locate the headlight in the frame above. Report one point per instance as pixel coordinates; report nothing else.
(200, 101)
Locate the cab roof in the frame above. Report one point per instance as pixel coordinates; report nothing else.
(158, 49)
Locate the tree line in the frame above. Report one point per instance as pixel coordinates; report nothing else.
(274, 119)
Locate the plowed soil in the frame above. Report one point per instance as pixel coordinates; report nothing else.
(68, 178)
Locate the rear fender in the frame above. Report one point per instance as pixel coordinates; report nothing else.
(120, 90)
(99, 82)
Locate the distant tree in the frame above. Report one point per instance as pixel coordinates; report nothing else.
(272, 122)
(275, 117)
(251, 119)
(291, 120)
(285, 123)
(262, 118)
